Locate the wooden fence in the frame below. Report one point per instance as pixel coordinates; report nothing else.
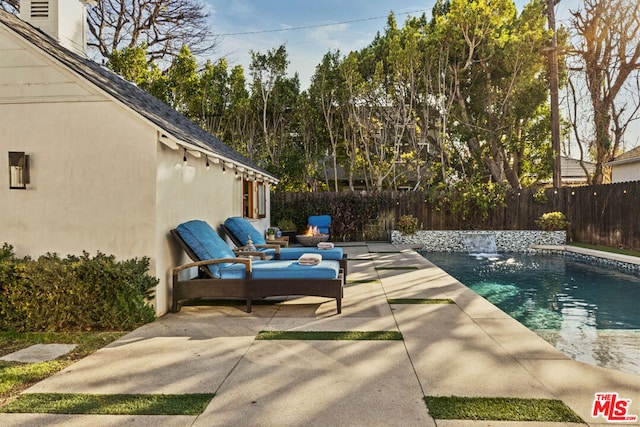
(601, 215)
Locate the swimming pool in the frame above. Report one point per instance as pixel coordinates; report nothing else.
(587, 311)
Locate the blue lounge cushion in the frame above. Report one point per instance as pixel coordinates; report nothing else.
(284, 270)
(323, 222)
(296, 252)
(205, 243)
(241, 229)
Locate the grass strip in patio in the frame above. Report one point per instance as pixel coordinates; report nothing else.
(331, 335)
(110, 404)
(360, 281)
(500, 409)
(229, 302)
(420, 301)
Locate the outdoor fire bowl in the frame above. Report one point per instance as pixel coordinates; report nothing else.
(312, 240)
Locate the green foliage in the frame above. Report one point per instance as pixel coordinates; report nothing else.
(6, 252)
(552, 221)
(75, 293)
(469, 199)
(271, 231)
(407, 224)
(540, 196)
(286, 224)
(354, 215)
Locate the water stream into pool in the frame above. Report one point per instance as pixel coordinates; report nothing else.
(587, 311)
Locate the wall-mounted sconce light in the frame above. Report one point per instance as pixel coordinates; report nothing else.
(184, 157)
(207, 161)
(224, 170)
(18, 170)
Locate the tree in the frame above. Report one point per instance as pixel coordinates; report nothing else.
(274, 95)
(164, 26)
(500, 84)
(607, 52)
(132, 64)
(325, 89)
(351, 101)
(215, 94)
(185, 92)
(242, 125)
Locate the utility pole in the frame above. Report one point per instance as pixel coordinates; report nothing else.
(553, 86)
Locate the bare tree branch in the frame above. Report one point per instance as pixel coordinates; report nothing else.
(164, 26)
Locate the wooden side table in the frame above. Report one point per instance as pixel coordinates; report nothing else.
(282, 241)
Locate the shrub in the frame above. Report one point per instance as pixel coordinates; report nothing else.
(286, 225)
(552, 221)
(75, 293)
(407, 224)
(6, 252)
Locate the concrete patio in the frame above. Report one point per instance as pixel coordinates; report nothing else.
(469, 348)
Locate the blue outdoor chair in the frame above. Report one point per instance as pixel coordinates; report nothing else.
(322, 222)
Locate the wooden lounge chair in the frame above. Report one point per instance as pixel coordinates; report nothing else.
(239, 229)
(221, 274)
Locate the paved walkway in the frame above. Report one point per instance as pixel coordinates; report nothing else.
(469, 348)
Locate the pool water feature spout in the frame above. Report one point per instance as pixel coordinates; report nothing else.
(481, 245)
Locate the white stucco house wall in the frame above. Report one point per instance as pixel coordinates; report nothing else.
(625, 167)
(106, 160)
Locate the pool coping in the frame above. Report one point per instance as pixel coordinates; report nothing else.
(625, 261)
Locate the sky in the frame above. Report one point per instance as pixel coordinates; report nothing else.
(309, 29)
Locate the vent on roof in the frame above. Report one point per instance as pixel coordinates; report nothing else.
(39, 9)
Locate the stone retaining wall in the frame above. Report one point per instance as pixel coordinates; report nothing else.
(459, 241)
(506, 241)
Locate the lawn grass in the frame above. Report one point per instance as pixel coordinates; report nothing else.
(606, 249)
(500, 409)
(330, 335)
(16, 377)
(420, 301)
(109, 404)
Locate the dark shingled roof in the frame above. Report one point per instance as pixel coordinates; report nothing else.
(148, 106)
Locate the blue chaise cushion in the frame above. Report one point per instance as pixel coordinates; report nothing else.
(296, 252)
(241, 229)
(284, 270)
(205, 243)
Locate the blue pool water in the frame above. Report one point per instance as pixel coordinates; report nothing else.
(588, 311)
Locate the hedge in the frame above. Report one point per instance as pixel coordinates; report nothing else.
(75, 293)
